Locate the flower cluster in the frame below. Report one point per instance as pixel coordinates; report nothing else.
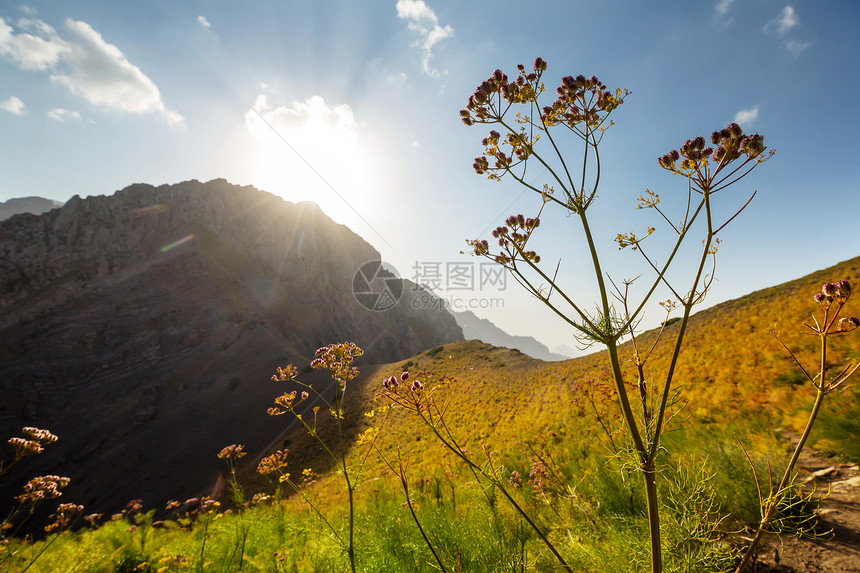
(582, 100)
(232, 452)
(521, 149)
(273, 463)
(337, 359)
(43, 487)
(832, 298)
(287, 403)
(409, 391)
(730, 144)
(284, 374)
(33, 443)
(63, 517)
(833, 292)
(512, 237)
(481, 106)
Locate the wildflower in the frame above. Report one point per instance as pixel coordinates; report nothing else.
(287, 373)
(25, 447)
(63, 516)
(232, 452)
(43, 487)
(273, 463)
(417, 386)
(41, 436)
(337, 359)
(848, 324)
(133, 506)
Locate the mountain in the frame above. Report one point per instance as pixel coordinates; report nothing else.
(143, 329)
(34, 205)
(475, 328)
(564, 350)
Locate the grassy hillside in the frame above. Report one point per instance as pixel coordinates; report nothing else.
(551, 434)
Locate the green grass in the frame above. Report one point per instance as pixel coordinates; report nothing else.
(593, 510)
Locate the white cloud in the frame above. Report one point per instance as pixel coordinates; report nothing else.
(746, 117)
(313, 115)
(422, 20)
(797, 48)
(63, 115)
(786, 21)
(85, 64)
(722, 6)
(13, 105)
(204, 22)
(36, 47)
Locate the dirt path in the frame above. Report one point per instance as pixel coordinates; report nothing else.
(840, 512)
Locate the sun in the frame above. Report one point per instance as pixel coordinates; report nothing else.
(311, 151)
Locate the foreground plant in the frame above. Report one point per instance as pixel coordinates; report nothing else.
(34, 492)
(535, 135)
(831, 300)
(417, 394)
(337, 359)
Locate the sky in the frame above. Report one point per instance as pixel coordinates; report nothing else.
(355, 105)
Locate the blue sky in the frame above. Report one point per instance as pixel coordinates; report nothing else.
(365, 94)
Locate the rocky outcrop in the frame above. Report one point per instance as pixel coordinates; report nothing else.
(143, 328)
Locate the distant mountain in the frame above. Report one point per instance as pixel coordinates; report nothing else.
(565, 350)
(475, 328)
(34, 205)
(143, 329)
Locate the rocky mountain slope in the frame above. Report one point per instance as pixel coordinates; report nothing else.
(143, 329)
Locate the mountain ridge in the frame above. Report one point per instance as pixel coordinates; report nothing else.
(141, 327)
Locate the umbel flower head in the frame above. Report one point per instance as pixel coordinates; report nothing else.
(728, 144)
(337, 359)
(273, 463)
(43, 487)
(33, 443)
(232, 452)
(582, 104)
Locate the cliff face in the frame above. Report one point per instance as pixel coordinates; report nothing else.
(143, 328)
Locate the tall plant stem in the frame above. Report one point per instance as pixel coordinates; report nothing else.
(647, 463)
(786, 477)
